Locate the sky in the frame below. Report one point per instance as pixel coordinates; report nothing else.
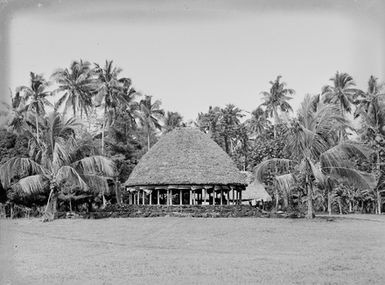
(193, 54)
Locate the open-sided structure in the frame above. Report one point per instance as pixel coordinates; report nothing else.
(186, 167)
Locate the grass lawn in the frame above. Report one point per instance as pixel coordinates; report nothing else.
(349, 250)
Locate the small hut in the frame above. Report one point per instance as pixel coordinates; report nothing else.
(256, 192)
(186, 167)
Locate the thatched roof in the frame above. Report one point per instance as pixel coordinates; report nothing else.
(186, 156)
(256, 191)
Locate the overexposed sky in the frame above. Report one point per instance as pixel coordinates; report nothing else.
(192, 54)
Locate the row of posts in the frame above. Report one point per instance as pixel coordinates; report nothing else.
(138, 197)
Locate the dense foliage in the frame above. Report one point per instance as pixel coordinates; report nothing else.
(76, 138)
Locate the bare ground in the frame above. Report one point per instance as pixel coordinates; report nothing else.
(349, 250)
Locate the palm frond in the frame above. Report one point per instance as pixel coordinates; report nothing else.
(19, 167)
(31, 184)
(340, 154)
(261, 169)
(285, 182)
(95, 165)
(354, 177)
(69, 175)
(97, 183)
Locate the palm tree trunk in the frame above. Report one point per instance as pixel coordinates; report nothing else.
(309, 186)
(379, 202)
(329, 202)
(340, 205)
(276, 198)
(103, 130)
(148, 140)
(37, 128)
(378, 190)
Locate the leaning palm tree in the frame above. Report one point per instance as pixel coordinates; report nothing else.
(109, 92)
(76, 85)
(314, 153)
(35, 97)
(277, 100)
(62, 163)
(150, 116)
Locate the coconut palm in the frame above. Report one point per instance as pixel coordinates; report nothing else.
(341, 93)
(229, 120)
(109, 93)
(150, 116)
(172, 120)
(35, 98)
(371, 110)
(61, 164)
(258, 121)
(314, 156)
(18, 117)
(76, 85)
(277, 100)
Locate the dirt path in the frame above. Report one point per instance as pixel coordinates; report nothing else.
(193, 251)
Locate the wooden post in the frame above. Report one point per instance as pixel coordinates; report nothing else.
(150, 201)
(143, 196)
(221, 197)
(228, 197)
(157, 197)
(213, 197)
(233, 194)
(180, 197)
(240, 197)
(190, 197)
(204, 196)
(170, 196)
(138, 196)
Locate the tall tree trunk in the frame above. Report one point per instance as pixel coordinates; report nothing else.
(276, 198)
(103, 130)
(379, 202)
(37, 128)
(340, 205)
(310, 212)
(148, 140)
(117, 192)
(329, 202)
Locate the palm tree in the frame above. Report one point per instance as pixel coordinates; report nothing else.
(229, 120)
(62, 163)
(76, 85)
(18, 117)
(314, 154)
(341, 93)
(371, 110)
(109, 92)
(150, 115)
(35, 98)
(277, 100)
(258, 122)
(172, 120)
